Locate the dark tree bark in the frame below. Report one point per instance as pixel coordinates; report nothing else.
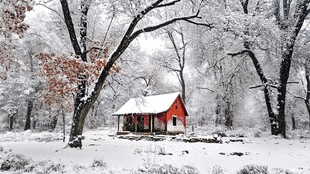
(84, 104)
(293, 123)
(11, 121)
(259, 71)
(53, 123)
(291, 29)
(301, 11)
(307, 99)
(63, 123)
(28, 115)
(31, 99)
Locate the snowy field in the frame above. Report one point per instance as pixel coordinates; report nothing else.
(101, 153)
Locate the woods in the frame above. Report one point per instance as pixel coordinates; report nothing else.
(237, 64)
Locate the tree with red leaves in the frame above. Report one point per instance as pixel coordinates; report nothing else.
(12, 16)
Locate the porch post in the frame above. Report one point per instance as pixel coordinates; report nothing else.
(118, 123)
(151, 122)
(136, 120)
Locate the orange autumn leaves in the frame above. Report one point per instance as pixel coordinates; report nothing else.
(14, 14)
(64, 72)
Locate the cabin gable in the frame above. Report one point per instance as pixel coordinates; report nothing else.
(176, 117)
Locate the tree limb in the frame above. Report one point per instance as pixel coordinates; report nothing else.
(238, 53)
(70, 26)
(93, 48)
(53, 10)
(206, 89)
(295, 96)
(153, 28)
(168, 4)
(210, 26)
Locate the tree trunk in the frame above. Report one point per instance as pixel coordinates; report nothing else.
(63, 123)
(183, 86)
(28, 116)
(11, 120)
(80, 109)
(92, 119)
(290, 35)
(272, 116)
(293, 123)
(308, 109)
(34, 122)
(228, 115)
(53, 123)
(260, 73)
(278, 125)
(307, 75)
(180, 57)
(83, 104)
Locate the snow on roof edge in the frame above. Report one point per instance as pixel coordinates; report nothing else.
(148, 105)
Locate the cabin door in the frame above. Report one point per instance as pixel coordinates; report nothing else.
(140, 126)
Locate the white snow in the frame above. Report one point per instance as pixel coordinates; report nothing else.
(125, 156)
(148, 105)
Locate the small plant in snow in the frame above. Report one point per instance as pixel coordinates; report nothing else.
(162, 151)
(137, 151)
(282, 171)
(253, 169)
(77, 168)
(48, 166)
(189, 170)
(168, 169)
(15, 162)
(217, 170)
(98, 163)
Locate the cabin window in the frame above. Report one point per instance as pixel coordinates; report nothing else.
(176, 105)
(174, 120)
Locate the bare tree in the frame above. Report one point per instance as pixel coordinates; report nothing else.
(179, 48)
(290, 26)
(83, 102)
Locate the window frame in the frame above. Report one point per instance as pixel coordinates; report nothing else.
(174, 120)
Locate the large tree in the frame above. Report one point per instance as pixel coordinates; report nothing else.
(84, 100)
(289, 24)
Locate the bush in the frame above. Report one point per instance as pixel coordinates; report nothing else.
(217, 170)
(48, 166)
(15, 162)
(21, 164)
(98, 163)
(189, 170)
(253, 169)
(166, 169)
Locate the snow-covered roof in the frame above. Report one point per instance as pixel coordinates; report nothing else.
(148, 105)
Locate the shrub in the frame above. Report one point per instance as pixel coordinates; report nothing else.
(253, 169)
(166, 169)
(48, 166)
(217, 170)
(15, 162)
(98, 163)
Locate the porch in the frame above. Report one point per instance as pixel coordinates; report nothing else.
(139, 124)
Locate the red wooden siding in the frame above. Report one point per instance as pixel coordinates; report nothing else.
(177, 109)
(161, 121)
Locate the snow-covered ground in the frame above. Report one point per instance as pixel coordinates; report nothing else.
(45, 152)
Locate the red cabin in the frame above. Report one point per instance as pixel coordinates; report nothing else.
(164, 113)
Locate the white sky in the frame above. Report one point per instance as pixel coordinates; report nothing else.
(149, 44)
